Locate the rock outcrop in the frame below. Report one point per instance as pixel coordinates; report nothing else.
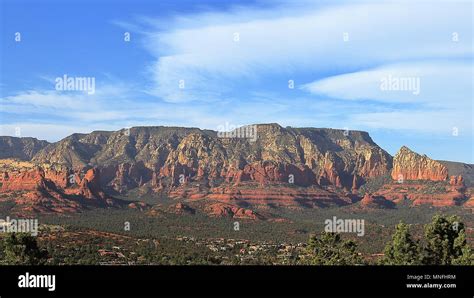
(273, 167)
(469, 203)
(181, 208)
(435, 193)
(227, 210)
(170, 156)
(51, 188)
(409, 165)
(374, 201)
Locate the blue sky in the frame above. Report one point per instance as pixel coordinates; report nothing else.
(236, 59)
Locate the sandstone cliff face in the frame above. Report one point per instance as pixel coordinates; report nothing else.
(277, 196)
(422, 192)
(51, 188)
(90, 187)
(227, 210)
(75, 151)
(18, 175)
(287, 167)
(408, 165)
(167, 156)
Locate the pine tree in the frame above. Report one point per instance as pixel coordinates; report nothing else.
(22, 249)
(446, 242)
(402, 250)
(330, 249)
(466, 256)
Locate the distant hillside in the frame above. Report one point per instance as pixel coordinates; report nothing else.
(22, 148)
(242, 173)
(459, 168)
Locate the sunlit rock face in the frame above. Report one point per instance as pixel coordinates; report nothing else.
(275, 166)
(409, 165)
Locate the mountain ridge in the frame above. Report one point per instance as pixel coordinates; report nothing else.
(278, 166)
(2, 138)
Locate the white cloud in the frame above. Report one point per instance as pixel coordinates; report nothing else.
(110, 113)
(43, 99)
(296, 39)
(436, 83)
(438, 122)
(201, 50)
(444, 100)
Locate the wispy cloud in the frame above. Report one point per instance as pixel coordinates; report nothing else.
(438, 97)
(210, 52)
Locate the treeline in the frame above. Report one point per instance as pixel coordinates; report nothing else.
(443, 243)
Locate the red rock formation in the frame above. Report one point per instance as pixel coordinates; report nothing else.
(329, 174)
(456, 181)
(367, 200)
(35, 190)
(227, 210)
(437, 194)
(178, 173)
(138, 205)
(27, 180)
(373, 162)
(437, 200)
(90, 187)
(356, 182)
(126, 176)
(371, 201)
(181, 208)
(291, 167)
(268, 172)
(51, 189)
(469, 203)
(268, 195)
(408, 165)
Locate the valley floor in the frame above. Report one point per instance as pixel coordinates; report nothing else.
(130, 237)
